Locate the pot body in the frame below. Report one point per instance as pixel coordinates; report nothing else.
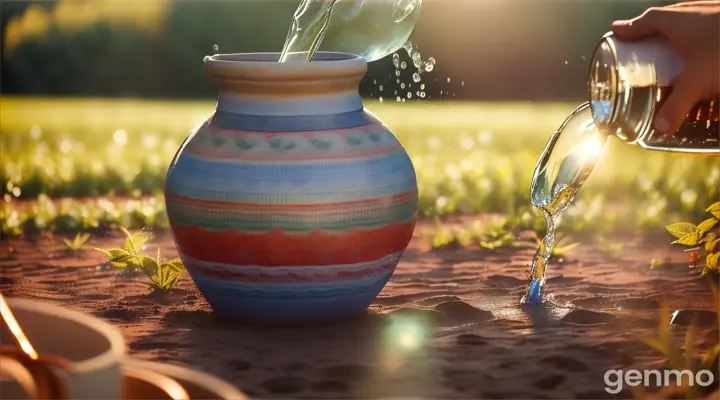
(291, 202)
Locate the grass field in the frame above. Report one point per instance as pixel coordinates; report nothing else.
(469, 157)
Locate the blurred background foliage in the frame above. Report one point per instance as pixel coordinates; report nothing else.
(97, 96)
(493, 49)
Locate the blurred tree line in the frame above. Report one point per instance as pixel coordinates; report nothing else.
(154, 48)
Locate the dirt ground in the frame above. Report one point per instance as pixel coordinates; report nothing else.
(447, 325)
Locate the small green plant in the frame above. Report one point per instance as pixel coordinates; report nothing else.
(499, 234)
(127, 257)
(494, 238)
(449, 237)
(702, 237)
(163, 275)
(77, 242)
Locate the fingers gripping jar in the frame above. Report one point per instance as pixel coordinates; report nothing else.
(630, 81)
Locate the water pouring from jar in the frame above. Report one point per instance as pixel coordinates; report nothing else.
(371, 29)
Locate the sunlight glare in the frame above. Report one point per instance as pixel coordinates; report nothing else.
(592, 147)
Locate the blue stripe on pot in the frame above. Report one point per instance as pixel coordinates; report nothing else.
(266, 123)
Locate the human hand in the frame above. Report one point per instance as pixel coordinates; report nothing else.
(693, 30)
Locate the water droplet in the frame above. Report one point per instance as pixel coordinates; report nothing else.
(417, 93)
(448, 79)
(408, 46)
(403, 100)
(395, 93)
(430, 65)
(380, 100)
(583, 58)
(416, 77)
(422, 95)
(374, 81)
(441, 92)
(417, 59)
(206, 58)
(397, 80)
(216, 49)
(403, 65)
(396, 60)
(397, 99)
(422, 87)
(462, 83)
(381, 88)
(402, 85)
(566, 63)
(397, 72)
(409, 95)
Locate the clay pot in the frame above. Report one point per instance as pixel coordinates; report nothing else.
(291, 202)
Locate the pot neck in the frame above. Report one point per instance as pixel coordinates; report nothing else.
(297, 104)
(256, 84)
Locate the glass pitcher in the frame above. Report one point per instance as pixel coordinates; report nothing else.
(627, 85)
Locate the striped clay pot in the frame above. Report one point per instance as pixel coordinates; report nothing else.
(291, 202)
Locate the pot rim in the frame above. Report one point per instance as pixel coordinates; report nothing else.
(264, 66)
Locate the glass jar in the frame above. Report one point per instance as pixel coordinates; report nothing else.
(627, 85)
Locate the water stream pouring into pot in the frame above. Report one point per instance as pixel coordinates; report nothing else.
(371, 29)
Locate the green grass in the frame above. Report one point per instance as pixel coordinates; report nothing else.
(469, 157)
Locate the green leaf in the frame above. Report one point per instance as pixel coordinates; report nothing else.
(706, 225)
(135, 242)
(118, 257)
(714, 209)
(118, 254)
(711, 242)
(148, 265)
(126, 232)
(712, 260)
(69, 244)
(80, 239)
(175, 264)
(681, 229)
(688, 240)
(489, 245)
(165, 277)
